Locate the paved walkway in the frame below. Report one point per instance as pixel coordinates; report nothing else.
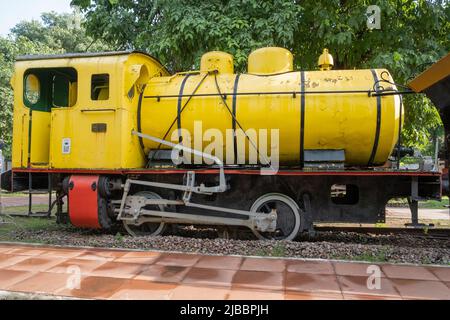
(19, 201)
(121, 274)
(405, 213)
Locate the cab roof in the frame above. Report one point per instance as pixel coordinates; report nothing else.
(106, 54)
(80, 55)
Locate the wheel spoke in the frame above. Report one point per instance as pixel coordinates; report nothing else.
(288, 216)
(146, 228)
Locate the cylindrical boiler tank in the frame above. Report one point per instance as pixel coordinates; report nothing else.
(313, 110)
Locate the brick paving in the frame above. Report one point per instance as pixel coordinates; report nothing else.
(121, 274)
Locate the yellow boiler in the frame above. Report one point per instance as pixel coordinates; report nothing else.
(313, 111)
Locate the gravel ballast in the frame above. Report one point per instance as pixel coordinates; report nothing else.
(397, 248)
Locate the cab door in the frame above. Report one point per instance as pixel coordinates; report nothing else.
(44, 90)
(37, 130)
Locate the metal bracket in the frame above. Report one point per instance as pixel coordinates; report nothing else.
(415, 188)
(413, 202)
(308, 214)
(190, 183)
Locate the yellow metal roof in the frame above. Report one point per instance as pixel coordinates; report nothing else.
(79, 55)
(437, 72)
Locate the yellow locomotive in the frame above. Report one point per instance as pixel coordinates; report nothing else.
(126, 140)
(88, 124)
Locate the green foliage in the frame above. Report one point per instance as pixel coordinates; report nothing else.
(118, 237)
(278, 250)
(9, 49)
(57, 33)
(413, 34)
(179, 32)
(382, 255)
(60, 32)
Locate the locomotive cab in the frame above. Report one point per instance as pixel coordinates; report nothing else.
(71, 110)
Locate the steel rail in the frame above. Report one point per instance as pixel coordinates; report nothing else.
(443, 233)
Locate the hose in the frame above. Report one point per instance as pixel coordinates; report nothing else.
(234, 118)
(176, 118)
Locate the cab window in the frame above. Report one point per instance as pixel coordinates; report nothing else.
(100, 87)
(50, 88)
(32, 89)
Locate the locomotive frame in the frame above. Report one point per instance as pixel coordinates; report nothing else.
(314, 201)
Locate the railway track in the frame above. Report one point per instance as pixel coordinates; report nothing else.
(421, 232)
(403, 245)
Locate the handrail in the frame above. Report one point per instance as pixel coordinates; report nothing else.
(222, 187)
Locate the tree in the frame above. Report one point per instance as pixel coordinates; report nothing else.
(9, 49)
(57, 33)
(413, 34)
(60, 32)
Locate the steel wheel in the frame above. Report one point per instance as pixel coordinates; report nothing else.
(146, 228)
(289, 218)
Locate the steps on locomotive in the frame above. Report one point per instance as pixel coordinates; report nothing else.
(39, 185)
(19, 181)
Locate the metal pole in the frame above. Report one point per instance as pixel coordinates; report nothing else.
(436, 153)
(49, 195)
(30, 187)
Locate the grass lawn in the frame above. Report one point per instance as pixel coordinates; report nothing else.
(9, 224)
(429, 204)
(20, 194)
(434, 204)
(24, 209)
